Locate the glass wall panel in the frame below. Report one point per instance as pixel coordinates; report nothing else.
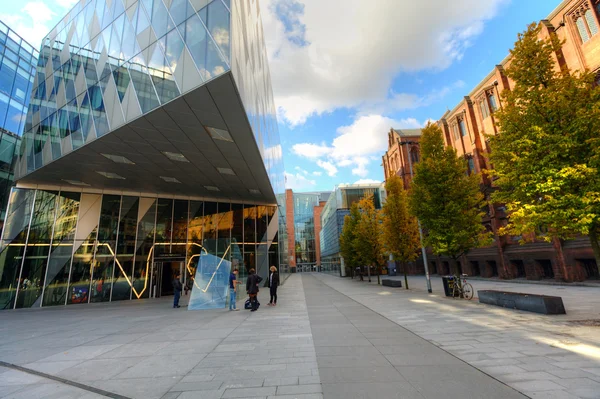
(211, 222)
(164, 223)
(13, 244)
(262, 223)
(125, 248)
(106, 248)
(224, 221)
(180, 221)
(194, 236)
(36, 253)
(144, 244)
(249, 240)
(59, 262)
(237, 236)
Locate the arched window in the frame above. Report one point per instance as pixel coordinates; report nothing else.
(583, 33)
(591, 21)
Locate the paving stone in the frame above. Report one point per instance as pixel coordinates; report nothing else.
(299, 389)
(248, 392)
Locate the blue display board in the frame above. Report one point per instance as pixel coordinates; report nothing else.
(211, 283)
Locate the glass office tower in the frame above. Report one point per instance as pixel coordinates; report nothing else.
(18, 60)
(151, 139)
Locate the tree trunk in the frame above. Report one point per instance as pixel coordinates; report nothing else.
(378, 275)
(369, 272)
(405, 275)
(595, 246)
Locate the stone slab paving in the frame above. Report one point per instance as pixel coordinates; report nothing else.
(147, 349)
(362, 354)
(541, 356)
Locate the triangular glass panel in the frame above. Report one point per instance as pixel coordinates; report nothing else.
(199, 4)
(161, 21)
(215, 64)
(122, 80)
(163, 79)
(195, 38)
(172, 46)
(219, 27)
(143, 86)
(129, 46)
(180, 11)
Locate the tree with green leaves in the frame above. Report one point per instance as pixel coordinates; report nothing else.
(348, 238)
(368, 243)
(446, 199)
(547, 156)
(400, 228)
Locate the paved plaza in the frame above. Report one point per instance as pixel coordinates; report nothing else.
(329, 337)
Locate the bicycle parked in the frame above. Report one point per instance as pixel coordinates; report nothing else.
(464, 290)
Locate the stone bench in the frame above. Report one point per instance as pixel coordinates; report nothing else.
(530, 302)
(391, 283)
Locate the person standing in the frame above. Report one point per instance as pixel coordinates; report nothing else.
(252, 289)
(233, 283)
(177, 287)
(273, 284)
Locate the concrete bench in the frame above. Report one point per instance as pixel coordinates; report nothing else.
(530, 302)
(391, 283)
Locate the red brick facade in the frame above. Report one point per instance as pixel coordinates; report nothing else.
(577, 23)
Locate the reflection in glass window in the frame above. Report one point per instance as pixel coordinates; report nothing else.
(217, 21)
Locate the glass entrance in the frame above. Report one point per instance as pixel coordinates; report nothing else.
(163, 274)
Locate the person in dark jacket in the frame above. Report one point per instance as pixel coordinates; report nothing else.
(252, 283)
(273, 283)
(177, 287)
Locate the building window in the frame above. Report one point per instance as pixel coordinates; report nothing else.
(591, 22)
(493, 103)
(414, 156)
(583, 33)
(463, 128)
(485, 112)
(471, 165)
(455, 131)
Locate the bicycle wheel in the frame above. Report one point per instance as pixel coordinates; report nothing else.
(455, 290)
(468, 291)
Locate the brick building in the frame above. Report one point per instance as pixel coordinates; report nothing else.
(577, 24)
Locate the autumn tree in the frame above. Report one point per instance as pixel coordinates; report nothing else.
(446, 199)
(348, 238)
(400, 233)
(547, 156)
(368, 243)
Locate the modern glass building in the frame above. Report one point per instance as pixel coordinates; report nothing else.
(151, 139)
(332, 220)
(18, 60)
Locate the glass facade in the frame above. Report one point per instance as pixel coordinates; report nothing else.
(332, 219)
(108, 62)
(62, 248)
(18, 60)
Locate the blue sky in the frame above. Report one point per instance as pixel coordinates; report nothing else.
(342, 76)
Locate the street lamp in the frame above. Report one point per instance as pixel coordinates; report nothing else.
(423, 251)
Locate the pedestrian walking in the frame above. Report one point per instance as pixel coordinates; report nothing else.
(233, 284)
(273, 284)
(177, 287)
(252, 289)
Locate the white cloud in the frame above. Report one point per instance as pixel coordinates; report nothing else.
(356, 145)
(311, 151)
(367, 181)
(329, 167)
(299, 169)
(298, 181)
(36, 18)
(316, 68)
(317, 173)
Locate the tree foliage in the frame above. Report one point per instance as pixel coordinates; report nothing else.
(368, 244)
(400, 232)
(348, 237)
(547, 156)
(446, 199)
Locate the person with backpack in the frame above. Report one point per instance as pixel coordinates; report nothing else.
(252, 289)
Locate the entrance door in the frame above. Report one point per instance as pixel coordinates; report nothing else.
(162, 278)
